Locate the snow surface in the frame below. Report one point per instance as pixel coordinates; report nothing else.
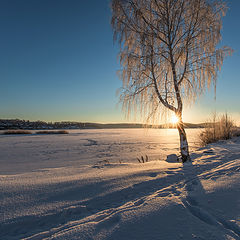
(57, 187)
(19, 154)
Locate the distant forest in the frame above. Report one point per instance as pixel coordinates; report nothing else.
(26, 124)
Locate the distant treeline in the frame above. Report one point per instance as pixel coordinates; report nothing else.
(25, 124)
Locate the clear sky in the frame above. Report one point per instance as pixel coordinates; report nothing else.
(58, 62)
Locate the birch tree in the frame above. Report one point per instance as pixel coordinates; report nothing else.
(168, 53)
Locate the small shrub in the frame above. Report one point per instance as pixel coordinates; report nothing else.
(218, 129)
(52, 132)
(8, 132)
(236, 132)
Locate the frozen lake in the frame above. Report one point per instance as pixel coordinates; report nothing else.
(52, 188)
(26, 153)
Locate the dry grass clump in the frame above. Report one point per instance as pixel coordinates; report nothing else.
(142, 159)
(8, 132)
(220, 128)
(52, 132)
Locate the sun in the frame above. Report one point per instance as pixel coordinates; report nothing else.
(174, 119)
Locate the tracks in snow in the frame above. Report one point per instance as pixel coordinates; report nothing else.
(198, 210)
(101, 206)
(105, 210)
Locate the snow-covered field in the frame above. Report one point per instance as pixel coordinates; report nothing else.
(19, 154)
(60, 187)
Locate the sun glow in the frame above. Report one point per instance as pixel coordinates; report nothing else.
(174, 119)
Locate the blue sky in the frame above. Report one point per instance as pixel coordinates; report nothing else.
(58, 62)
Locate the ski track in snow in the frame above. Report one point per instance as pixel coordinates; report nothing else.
(107, 200)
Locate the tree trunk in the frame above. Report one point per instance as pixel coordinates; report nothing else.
(183, 142)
